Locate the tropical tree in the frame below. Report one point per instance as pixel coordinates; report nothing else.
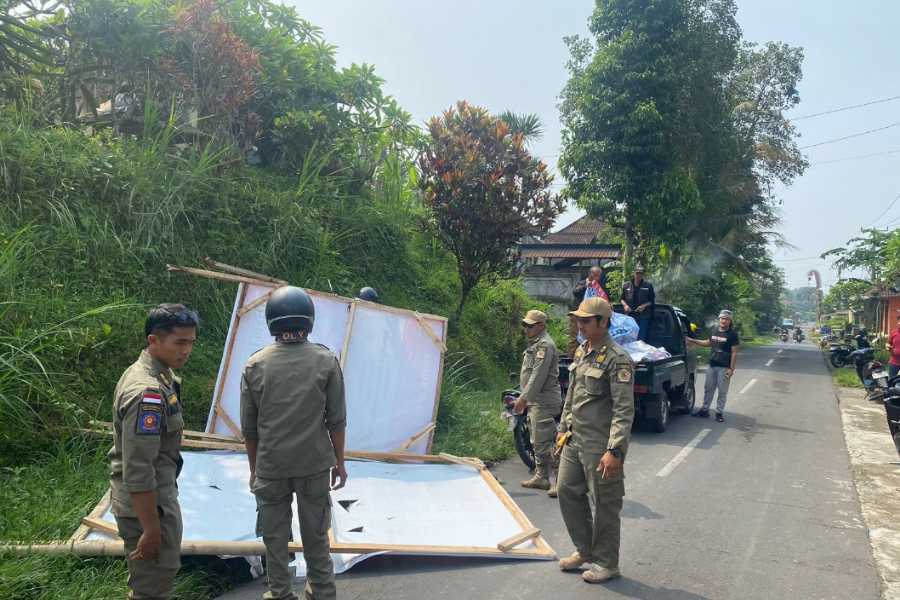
(485, 192)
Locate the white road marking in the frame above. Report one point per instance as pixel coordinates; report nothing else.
(748, 386)
(679, 458)
(769, 364)
(780, 351)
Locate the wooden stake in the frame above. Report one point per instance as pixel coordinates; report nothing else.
(428, 330)
(101, 525)
(231, 424)
(261, 300)
(212, 264)
(437, 391)
(516, 512)
(408, 443)
(83, 530)
(345, 349)
(520, 538)
(469, 462)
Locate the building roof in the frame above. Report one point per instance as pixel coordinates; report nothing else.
(583, 231)
(606, 251)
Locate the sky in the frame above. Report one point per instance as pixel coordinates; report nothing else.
(510, 55)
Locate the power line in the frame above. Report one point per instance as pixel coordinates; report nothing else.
(843, 108)
(852, 135)
(860, 156)
(885, 211)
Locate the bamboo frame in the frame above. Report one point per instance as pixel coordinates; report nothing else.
(79, 546)
(345, 347)
(214, 264)
(226, 361)
(261, 300)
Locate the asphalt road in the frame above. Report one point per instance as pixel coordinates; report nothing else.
(763, 507)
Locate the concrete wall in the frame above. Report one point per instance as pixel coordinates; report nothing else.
(550, 285)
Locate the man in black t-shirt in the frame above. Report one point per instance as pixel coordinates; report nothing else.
(723, 343)
(638, 300)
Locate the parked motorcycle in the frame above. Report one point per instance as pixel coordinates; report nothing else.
(518, 423)
(839, 353)
(870, 372)
(892, 410)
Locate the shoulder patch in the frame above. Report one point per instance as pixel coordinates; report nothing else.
(623, 374)
(541, 353)
(149, 417)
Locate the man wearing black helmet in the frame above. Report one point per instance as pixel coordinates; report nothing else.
(293, 418)
(368, 294)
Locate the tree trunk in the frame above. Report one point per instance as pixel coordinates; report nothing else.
(457, 316)
(628, 249)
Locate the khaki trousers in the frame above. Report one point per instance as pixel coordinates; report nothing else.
(597, 536)
(273, 502)
(154, 579)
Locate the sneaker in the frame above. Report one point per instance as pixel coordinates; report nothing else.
(702, 413)
(574, 562)
(598, 574)
(720, 417)
(537, 482)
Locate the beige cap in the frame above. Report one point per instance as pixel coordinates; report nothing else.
(533, 317)
(593, 307)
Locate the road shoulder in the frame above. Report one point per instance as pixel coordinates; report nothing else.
(876, 474)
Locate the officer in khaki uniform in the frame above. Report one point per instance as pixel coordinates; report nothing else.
(293, 418)
(595, 428)
(145, 458)
(539, 382)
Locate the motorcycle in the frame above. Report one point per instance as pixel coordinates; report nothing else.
(798, 336)
(518, 423)
(784, 336)
(839, 353)
(870, 372)
(892, 410)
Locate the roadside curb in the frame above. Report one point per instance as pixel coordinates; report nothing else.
(876, 476)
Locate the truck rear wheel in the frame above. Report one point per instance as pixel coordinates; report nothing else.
(656, 409)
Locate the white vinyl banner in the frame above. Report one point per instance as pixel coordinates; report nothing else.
(392, 366)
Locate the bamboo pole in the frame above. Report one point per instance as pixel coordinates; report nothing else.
(221, 276)
(255, 548)
(468, 462)
(214, 264)
(226, 359)
(261, 300)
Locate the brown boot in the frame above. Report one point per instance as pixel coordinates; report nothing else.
(573, 562)
(598, 574)
(538, 482)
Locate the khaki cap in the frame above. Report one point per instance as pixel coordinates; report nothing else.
(533, 317)
(593, 307)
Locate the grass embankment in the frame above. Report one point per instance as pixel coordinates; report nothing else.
(91, 221)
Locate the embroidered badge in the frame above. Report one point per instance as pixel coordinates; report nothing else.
(149, 418)
(623, 375)
(173, 404)
(541, 353)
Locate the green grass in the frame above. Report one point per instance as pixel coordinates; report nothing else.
(846, 377)
(43, 501)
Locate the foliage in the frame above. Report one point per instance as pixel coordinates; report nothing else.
(845, 294)
(801, 303)
(485, 191)
(529, 125)
(867, 252)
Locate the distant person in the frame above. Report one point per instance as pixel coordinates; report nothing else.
(368, 294)
(146, 456)
(639, 300)
(594, 286)
(894, 349)
(723, 342)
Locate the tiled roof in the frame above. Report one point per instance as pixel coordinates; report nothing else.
(570, 251)
(582, 231)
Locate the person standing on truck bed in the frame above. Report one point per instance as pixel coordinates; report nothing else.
(539, 382)
(639, 300)
(593, 286)
(723, 342)
(593, 433)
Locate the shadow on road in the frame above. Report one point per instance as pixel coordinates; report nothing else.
(630, 588)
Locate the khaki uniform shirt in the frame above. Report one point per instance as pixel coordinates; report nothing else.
(147, 425)
(539, 379)
(599, 407)
(292, 396)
